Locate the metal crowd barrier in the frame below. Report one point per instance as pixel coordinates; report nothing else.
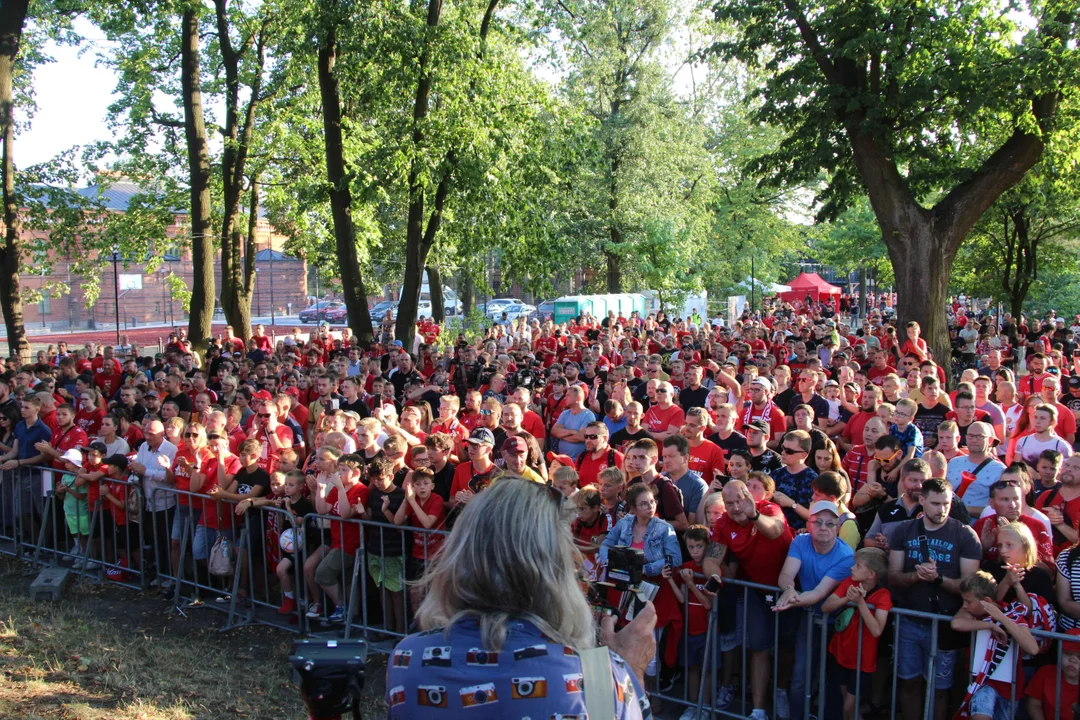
(820, 699)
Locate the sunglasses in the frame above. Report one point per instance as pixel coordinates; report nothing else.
(791, 451)
(191, 434)
(213, 437)
(264, 415)
(591, 437)
(1002, 484)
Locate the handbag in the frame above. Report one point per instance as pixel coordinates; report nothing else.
(220, 562)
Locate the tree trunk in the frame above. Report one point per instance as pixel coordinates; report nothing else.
(12, 20)
(611, 255)
(235, 282)
(467, 294)
(352, 281)
(862, 292)
(438, 304)
(202, 234)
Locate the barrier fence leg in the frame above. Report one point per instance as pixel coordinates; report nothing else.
(238, 571)
(178, 585)
(95, 522)
(932, 673)
(41, 532)
(822, 657)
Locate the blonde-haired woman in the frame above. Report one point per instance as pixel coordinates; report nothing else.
(504, 617)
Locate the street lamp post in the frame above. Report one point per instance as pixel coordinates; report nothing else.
(272, 313)
(258, 298)
(116, 290)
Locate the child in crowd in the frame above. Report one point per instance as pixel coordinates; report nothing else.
(904, 430)
(698, 603)
(864, 588)
(76, 509)
(118, 529)
(423, 509)
(1042, 691)
(590, 527)
(1047, 470)
(994, 670)
(565, 480)
(384, 547)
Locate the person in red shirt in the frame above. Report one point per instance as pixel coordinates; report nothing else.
(68, 436)
(340, 493)
(880, 367)
(530, 421)
(688, 586)
(273, 436)
(590, 527)
(757, 534)
(449, 424)
(89, 415)
(546, 347)
(214, 477)
(106, 363)
(114, 494)
(475, 474)
(1006, 498)
(665, 417)
(1050, 681)
(262, 342)
(706, 457)
(598, 455)
(470, 415)
(423, 509)
(864, 588)
(914, 344)
(761, 407)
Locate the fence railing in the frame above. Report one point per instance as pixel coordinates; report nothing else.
(351, 577)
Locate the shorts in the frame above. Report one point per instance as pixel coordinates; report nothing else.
(414, 568)
(206, 538)
(692, 650)
(78, 523)
(334, 566)
(183, 512)
(913, 656)
(846, 678)
(762, 624)
(987, 701)
(387, 571)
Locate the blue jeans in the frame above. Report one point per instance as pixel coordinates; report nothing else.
(808, 655)
(913, 655)
(206, 537)
(987, 701)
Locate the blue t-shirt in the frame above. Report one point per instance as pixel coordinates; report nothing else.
(797, 487)
(447, 673)
(911, 436)
(29, 436)
(693, 488)
(835, 564)
(577, 423)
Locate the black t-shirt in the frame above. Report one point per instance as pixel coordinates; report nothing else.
(182, 401)
(767, 462)
(690, 398)
(622, 439)
(784, 399)
(735, 441)
(928, 419)
(947, 545)
(818, 403)
(378, 540)
(401, 380)
(444, 480)
(247, 480)
(359, 407)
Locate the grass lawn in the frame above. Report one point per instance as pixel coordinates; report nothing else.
(108, 653)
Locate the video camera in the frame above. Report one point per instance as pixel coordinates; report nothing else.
(625, 574)
(331, 675)
(525, 378)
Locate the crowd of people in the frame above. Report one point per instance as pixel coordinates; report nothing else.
(805, 452)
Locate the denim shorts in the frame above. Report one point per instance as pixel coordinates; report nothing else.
(913, 656)
(987, 701)
(692, 650)
(182, 513)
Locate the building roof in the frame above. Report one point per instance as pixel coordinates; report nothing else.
(116, 196)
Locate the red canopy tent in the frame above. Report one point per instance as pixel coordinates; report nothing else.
(810, 284)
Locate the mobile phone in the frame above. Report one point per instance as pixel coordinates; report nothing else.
(714, 584)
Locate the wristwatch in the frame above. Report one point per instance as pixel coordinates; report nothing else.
(939, 581)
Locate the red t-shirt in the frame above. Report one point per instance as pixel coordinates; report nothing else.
(349, 542)
(217, 513)
(1043, 687)
(659, 420)
(589, 468)
(856, 464)
(877, 375)
(469, 420)
(93, 488)
(119, 491)
(107, 383)
(426, 544)
(1071, 508)
(697, 617)
(551, 344)
(532, 424)
(844, 645)
(89, 420)
(760, 559)
(465, 475)
(777, 418)
(707, 458)
(268, 456)
(99, 367)
(853, 430)
(1043, 543)
(183, 477)
(72, 438)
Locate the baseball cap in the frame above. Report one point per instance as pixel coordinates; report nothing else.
(515, 445)
(289, 341)
(758, 424)
(117, 461)
(96, 446)
(482, 436)
(561, 459)
(262, 395)
(292, 390)
(1071, 646)
(762, 382)
(824, 506)
(73, 456)
(1074, 382)
(399, 343)
(831, 383)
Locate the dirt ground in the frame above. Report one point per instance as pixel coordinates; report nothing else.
(110, 653)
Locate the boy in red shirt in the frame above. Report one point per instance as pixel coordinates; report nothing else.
(864, 589)
(423, 509)
(590, 527)
(90, 478)
(1042, 691)
(698, 603)
(340, 493)
(114, 493)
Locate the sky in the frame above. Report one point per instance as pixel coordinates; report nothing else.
(73, 96)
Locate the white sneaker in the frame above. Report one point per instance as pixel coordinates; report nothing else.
(783, 707)
(314, 610)
(93, 565)
(759, 714)
(689, 714)
(725, 696)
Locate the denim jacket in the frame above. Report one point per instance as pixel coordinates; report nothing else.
(661, 545)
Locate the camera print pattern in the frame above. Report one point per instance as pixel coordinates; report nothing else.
(448, 673)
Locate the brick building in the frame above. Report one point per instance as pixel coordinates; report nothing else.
(144, 298)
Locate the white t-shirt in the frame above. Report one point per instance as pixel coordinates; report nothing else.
(1029, 448)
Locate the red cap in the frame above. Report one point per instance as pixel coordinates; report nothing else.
(561, 459)
(292, 390)
(1071, 646)
(262, 395)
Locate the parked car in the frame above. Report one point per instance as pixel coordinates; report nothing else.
(512, 308)
(336, 313)
(378, 312)
(317, 311)
(544, 311)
